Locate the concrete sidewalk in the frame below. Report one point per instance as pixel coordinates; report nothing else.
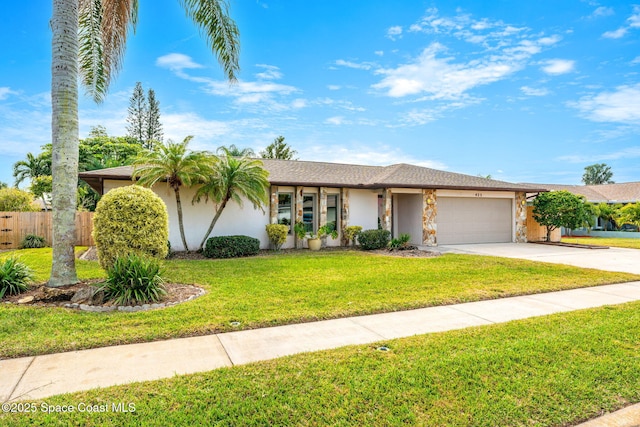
(43, 376)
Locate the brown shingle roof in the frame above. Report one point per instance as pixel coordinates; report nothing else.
(316, 174)
(627, 192)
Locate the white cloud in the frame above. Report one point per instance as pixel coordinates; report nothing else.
(619, 106)
(558, 66)
(177, 62)
(179, 125)
(626, 153)
(632, 22)
(440, 74)
(602, 11)
(379, 52)
(441, 78)
(270, 72)
(394, 32)
(334, 87)
(369, 154)
(358, 66)
(336, 120)
(615, 34)
(299, 103)
(530, 91)
(5, 92)
(636, 60)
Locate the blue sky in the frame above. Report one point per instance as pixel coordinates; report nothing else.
(523, 91)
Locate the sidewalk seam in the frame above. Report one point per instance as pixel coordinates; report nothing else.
(352, 320)
(15, 387)
(226, 352)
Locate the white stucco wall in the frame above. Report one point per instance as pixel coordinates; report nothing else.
(197, 217)
(363, 208)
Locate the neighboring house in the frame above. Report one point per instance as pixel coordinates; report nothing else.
(432, 206)
(622, 193)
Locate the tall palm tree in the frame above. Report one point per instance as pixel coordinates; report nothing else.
(32, 167)
(233, 178)
(174, 163)
(236, 151)
(90, 36)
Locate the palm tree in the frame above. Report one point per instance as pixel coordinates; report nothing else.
(175, 163)
(31, 168)
(233, 178)
(97, 51)
(234, 151)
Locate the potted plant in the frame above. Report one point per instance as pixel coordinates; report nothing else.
(323, 232)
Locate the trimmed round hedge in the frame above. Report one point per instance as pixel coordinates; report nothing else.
(130, 220)
(231, 246)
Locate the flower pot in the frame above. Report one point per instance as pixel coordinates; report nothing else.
(314, 244)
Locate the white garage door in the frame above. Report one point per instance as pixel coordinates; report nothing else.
(474, 220)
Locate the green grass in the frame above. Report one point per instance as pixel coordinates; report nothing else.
(630, 243)
(280, 289)
(547, 371)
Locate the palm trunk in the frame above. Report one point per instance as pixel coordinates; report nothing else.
(180, 223)
(213, 222)
(64, 131)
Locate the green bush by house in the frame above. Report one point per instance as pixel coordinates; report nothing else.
(374, 239)
(231, 246)
(277, 234)
(130, 220)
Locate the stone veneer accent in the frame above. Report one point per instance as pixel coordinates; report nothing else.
(521, 217)
(386, 215)
(323, 206)
(429, 214)
(299, 212)
(344, 212)
(273, 207)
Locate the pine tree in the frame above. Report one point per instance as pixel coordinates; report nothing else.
(137, 114)
(154, 127)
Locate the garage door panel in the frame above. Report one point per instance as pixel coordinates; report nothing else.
(474, 220)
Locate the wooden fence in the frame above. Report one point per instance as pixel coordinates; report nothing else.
(537, 232)
(14, 226)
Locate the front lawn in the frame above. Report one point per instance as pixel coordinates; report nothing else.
(279, 289)
(630, 243)
(548, 371)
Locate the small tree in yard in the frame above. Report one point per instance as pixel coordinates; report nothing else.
(556, 209)
(630, 213)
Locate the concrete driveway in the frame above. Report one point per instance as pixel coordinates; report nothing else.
(612, 259)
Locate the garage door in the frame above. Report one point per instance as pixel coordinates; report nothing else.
(474, 220)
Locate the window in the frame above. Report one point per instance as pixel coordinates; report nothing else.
(309, 212)
(284, 209)
(332, 211)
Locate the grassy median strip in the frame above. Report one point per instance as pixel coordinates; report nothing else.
(281, 289)
(547, 371)
(630, 243)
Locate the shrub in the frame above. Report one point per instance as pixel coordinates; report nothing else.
(130, 220)
(14, 277)
(14, 200)
(231, 246)
(401, 242)
(350, 233)
(134, 279)
(277, 234)
(374, 239)
(32, 241)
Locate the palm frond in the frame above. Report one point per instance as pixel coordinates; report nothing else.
(103, 29)
(221, 32)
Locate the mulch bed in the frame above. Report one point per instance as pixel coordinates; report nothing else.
(57, 297)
